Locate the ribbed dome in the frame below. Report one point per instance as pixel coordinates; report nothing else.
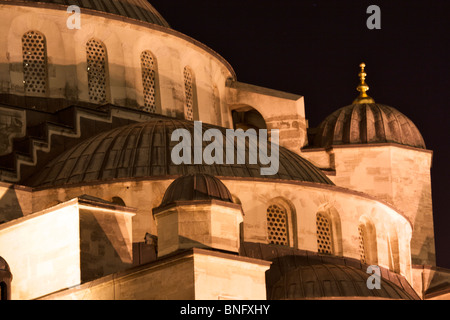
(367, 123)
(301, 274)
(144, 150)
(197, 186)
(332, 281)
(136, 9)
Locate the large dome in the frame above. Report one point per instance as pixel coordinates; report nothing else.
(140, 10)
(366, 123)
(144, 150)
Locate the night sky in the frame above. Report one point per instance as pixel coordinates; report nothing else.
(314, 48)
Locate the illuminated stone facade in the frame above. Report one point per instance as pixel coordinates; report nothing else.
(85, 168)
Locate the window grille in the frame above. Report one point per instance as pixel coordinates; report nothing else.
(148, 66)
(189, 92)
(324, 235)
(34, 52)
(277, 225)
(96, 68)
(362, 250)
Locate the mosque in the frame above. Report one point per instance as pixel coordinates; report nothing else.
(93, 206)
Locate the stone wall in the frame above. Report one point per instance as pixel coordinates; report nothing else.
(124, 41)
(105, 242)
(194, 274)
(280, 110)
(302, 200)
(12, 125)
(15, 202)
(38, 248)
(65, 245)
(393, 173)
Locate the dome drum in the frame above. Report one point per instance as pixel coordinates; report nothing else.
(197, 212)
(140, 10)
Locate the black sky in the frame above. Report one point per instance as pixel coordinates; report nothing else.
(313, 48)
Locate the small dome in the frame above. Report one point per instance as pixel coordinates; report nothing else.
(140, 10)
(366, 123)
(301, 274)
(196, 187)
(144, 149)
(332, 281)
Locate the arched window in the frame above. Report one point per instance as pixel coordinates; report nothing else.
(34, 50)
(367, 242)
(148, 66)
(190, 93)
(277, 225)
(96, 69)
(324, 234)
(362, 240)
(394, 251)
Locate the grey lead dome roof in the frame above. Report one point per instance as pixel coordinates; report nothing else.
(197, 186)
(365, 124)
(328, 280)
(301, 274)
(144, 150)
(136, 9)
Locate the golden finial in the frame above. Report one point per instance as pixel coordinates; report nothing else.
(363, 88)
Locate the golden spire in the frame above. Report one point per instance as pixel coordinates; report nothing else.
(363, 88)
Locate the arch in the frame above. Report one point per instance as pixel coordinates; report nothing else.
(97, 70)
(367, 241)
(394, 250)
(281, 222)
(190, 90)
(57, 55)
(119, 201)
(328, 231)
(149, 70)
(324, 233)
(246, 117)
(5, 280)
(35, 68)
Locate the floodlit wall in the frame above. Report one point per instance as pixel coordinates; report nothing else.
(65, 245)
(196, 274)
(396, 174)
(302, 201)
(124, 42)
